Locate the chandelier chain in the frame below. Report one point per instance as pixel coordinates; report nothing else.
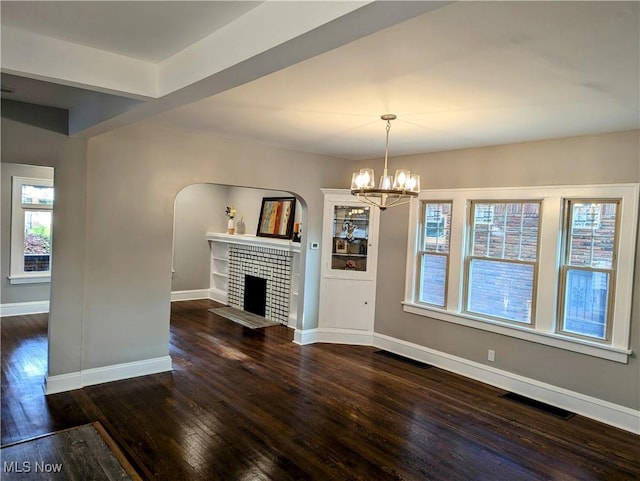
(386, 149)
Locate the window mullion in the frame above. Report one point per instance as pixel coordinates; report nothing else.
(521, 234)
(457, 246)
(548, 262)
(504, 231)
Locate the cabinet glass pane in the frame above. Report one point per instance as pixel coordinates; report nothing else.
(350, 238)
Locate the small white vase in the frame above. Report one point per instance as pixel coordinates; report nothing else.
(231, 226)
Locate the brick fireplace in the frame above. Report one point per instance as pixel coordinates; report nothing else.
(271, 264)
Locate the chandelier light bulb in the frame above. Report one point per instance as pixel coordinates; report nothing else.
(363, 179)
(386, 181)
(368, 178)
(415, 183)
(402, 176)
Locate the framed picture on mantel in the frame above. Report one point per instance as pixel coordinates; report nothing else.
(276, 217)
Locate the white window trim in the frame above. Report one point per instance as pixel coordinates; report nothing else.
(543, 331)
(16, 269)
(29, 279)
(420, 252)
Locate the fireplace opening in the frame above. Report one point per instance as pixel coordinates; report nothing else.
(255, 295)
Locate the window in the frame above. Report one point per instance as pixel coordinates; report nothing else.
(552, 265)
(502, 262)
(586, 292)
(433, 255)
(31, 209)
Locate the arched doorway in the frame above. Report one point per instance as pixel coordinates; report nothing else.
(200, 209)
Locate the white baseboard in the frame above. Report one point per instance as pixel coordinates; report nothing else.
(305, 336)
(333, 336)
(190, 295)
(606, 412)
(99, 375)
(609, 413)
(217, 295)
(23, 308)
(62, 382)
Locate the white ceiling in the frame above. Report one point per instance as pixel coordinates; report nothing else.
(151, 31)
(463, 74)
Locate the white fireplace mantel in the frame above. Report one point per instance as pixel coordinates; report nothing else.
(246, 239)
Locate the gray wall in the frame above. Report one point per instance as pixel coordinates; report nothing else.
(133, 177)
(581, 160)
(23, 144)
(113, 228)
(10, 293)
(199, 208)
(248, 203)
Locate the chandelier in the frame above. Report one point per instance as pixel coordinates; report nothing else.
(392, 190)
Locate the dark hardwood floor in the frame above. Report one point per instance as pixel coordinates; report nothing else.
(251, 405)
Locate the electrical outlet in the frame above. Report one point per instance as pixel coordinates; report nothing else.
(491, 355)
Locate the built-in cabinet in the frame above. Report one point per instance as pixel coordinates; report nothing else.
(220, 245)
(349, 261)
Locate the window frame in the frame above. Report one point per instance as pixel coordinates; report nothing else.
(17, 274)
(422, 252)
(565, 267)
(543, 329)
(470, 257)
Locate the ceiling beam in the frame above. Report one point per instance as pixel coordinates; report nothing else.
(271, 37)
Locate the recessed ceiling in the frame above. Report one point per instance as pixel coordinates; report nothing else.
(150, 31)
(463, 74)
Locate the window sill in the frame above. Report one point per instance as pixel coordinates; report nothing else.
(550, 339)
(29, 279)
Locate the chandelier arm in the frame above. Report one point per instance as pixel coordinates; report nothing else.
(366, 200)
(396, 198)
(399, 201)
